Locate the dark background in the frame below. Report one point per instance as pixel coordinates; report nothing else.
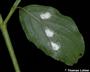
(29, 57)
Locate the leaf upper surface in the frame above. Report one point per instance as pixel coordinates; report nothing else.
(53, 33)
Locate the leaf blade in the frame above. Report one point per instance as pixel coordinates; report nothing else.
(50, 30)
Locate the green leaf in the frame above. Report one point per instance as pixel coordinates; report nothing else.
(53, 33)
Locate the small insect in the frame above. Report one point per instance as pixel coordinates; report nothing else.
(46, 15)
(55, 46)
(49, 32)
